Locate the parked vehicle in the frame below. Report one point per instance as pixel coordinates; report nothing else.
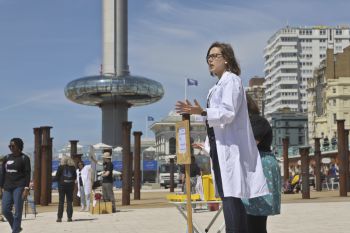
(164, 175)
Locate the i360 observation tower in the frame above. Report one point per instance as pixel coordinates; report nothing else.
(115, 90)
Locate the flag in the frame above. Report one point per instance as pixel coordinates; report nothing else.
(192, 82)
(149, 118)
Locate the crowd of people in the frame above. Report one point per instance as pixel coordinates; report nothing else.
(245, 171)
(16, 186)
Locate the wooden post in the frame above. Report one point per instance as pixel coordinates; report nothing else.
(318, 181)
(126, 128)
(341, 158)
(37, 165)
(73, 147)
(304, 153)
(49, 193)
(73, 155)
(172, 183)
(285, 142)
(188, 187)
(347, 159)
(137, 165)
(45, 149)
(131, 171)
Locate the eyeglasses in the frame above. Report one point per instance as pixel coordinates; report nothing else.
(11, 146)
(213, 56)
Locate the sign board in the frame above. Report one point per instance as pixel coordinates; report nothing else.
(150, 165)
(183, 146)
(118, 165)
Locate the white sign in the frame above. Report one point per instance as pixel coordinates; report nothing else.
(182, 140)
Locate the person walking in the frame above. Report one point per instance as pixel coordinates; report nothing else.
(84, 185)
(14, 183)
(65, 176)
(107, 180)
(259, 208)
(235, 160)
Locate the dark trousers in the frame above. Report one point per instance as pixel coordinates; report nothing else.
(65, 191)
(256, 224)
(234, 215)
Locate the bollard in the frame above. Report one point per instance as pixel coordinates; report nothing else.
(137, 165)
(172, 175)
(73, 155)
(304, 154)
(126, 127)
(347, 159)
(285, 142)
(318, 181)
(341, 158)
(45, 153)
(37, 165)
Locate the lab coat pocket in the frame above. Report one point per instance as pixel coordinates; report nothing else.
(231, 157)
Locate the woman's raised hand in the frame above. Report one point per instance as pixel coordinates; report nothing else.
(187, 107)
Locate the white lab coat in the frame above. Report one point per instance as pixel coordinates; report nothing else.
(86, 177)
(240, 163)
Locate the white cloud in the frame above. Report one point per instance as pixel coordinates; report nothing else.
(161, 6)
(48, 98)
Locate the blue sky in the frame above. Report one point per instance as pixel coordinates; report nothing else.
(46, 44)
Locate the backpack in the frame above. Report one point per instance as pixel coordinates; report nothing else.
(67, 175)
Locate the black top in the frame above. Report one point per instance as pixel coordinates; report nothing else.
(262, 132)
(66, 175)
(80, 179)
(15, 172)
(108, 166)
(194, 170)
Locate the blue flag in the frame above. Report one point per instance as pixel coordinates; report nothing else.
(192, 82)
(149, 118)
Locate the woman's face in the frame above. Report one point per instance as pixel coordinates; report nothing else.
(216, 62)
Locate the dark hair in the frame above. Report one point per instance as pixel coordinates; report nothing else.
(81, 162)
(228, 55)
(253, 108)
(18, 142)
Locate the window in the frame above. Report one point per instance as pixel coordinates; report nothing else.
(334, 90)
(334, 102)
(335, 118)
(338, 32)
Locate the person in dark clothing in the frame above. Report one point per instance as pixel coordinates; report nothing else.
(14, 183)
(259, 208)
(194, 172)
(65, 176)
(107, 180)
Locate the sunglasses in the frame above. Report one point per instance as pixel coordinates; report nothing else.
(11, 146)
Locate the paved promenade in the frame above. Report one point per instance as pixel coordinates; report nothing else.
(322, 215)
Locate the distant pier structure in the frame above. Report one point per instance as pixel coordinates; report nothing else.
(115, 90)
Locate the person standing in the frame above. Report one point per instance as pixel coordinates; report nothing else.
(235, 160)
(107, 180)
(84, 185)
(65, 176)
(195, 171)
(259, 208)
(14, 183)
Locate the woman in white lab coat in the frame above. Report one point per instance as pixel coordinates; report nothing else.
(236, 164)
(84, 185)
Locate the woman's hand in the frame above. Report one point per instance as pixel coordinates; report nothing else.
(187, 107)
(198, 146)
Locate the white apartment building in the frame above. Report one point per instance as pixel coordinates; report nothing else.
(291, 55)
